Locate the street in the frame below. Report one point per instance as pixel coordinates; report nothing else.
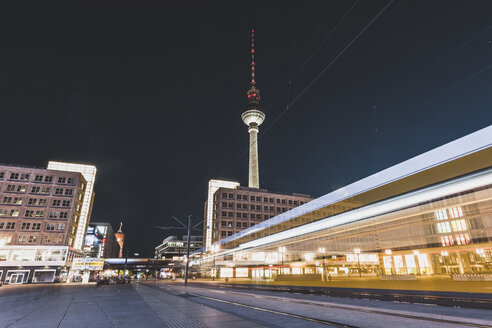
(170, 304)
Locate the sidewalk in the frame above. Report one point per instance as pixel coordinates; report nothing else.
(180, 312)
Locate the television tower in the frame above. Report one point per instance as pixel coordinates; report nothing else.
(253, 117)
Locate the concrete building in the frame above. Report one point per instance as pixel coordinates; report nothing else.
(428, 216)
(89, 173)
(40, 214)
(173, 247)
(237, 208)
(101, 241)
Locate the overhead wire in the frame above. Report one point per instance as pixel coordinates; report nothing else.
(325, 39)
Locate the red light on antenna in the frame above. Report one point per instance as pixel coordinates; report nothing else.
(252, 31)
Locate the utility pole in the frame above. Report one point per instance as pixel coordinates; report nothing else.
(188, 228)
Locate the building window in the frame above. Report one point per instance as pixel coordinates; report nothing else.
(43, 202)
(70, 181)
(223, 234)
(223, 223)
(14, 176)
(14, 213)
(238, 215)
(29, 214)
(302, 203)
(17, 200)
(270, 200)
(252, 207)
(265, 200)
(39, 214)
(441, 214)
(245, 197)
(283, 201)
(21, 239)
(62, 180)
(10, 226)
(25, 225)
(258, 199)
(35, 189)
(290, 202)
(238, 224)
(258, 216)
(3, 212)
(252, 216)
(7, 200)
(24, 177)
(2, 224)
(252, 198)
(296, 202)
(63, 215)
(231, 214)
(245, 215)
(48, 179)
(239, 197)
(284, 209)
(47, 239)
(238, 206)
(21, 189)
(271, 209)
(60, 226)
(245, 206)
(278, 201)
(56, 202)
(224, 204)
(66, 203)
(32, 201)
(231, 196)
(38, 178)
(11, 188)
(229, 233)
(245, 224)
(224, 195)
(231, 205)
(58, 191)
(53, 215)
(2, 175)
(265, 217)
(45, 190)
(258, 207)
(50, 226)
(278, 209)
(36, 226)
(265, 208)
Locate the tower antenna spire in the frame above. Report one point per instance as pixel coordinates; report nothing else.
(253, 82)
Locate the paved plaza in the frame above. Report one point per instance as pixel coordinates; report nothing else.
(170, 304)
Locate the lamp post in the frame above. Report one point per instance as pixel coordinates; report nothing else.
(444, 254)
(188, 239)
(357, 251)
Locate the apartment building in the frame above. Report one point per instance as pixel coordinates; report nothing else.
(238, 208)
(40, 212)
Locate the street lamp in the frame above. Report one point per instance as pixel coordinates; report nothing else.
(282, 250)
(357, 251)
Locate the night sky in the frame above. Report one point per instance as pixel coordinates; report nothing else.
(151, 93)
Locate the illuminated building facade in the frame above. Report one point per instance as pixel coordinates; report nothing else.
(239, 208)
(430, 215)
(40, 213)
(100, 241)
(89, 173)
(173, 247)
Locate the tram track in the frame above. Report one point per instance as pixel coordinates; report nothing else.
(327, 305)
(399, 296)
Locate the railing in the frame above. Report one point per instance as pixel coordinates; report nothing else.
(472, 277)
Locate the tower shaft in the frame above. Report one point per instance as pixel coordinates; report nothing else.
(254, 176)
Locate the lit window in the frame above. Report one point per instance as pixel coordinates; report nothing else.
(441, 214)
(443, 227)
(458, 225)
(456, 212)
